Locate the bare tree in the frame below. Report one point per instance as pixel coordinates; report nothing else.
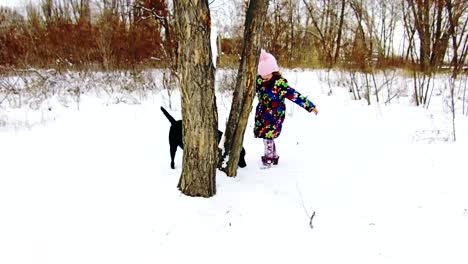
(81, 11)
(428, 20)
(105, 34)
(431, 24)
(159, 11)
(245, 85)
(361, 53)
(47, 7)
(196, 76)
(389, 16)
(459, 36)
(340, 32)
(321, 30)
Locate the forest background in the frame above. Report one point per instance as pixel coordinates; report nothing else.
(426, 36)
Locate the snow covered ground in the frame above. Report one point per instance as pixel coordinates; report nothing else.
(94, 185)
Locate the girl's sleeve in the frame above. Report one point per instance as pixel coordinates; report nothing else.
(258, 83)
(296, 97)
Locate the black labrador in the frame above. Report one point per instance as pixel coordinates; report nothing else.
(175, 139)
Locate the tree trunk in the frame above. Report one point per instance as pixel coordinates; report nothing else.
(454, 13)
(340, 31)
(245, 86)
(196, 76)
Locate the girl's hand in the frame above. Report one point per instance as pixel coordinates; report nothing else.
(315, 111)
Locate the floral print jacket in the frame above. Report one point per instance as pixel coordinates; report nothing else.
(270, 112)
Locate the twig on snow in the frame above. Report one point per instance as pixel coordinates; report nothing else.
(311, 218)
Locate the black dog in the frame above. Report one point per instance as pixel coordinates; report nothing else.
(175, 139)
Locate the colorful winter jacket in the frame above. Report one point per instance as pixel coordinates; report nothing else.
(270, 112)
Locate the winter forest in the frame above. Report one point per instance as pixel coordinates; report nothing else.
(364, 35)
(91, 97)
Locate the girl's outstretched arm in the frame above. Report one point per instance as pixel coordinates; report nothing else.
(296, 97)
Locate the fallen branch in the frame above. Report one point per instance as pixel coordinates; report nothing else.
(303, 206)
(311, 218)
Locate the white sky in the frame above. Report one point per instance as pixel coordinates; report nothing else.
(14, 3)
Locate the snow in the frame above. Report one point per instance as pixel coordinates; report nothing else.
(94, 185)
(214, 44)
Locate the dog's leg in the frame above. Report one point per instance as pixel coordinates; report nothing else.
(173, 152)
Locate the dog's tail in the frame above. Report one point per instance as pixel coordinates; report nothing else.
(171, 119)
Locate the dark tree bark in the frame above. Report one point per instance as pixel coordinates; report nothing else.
(245, 86)
(340, 31)
(196, 76)
(429, 26)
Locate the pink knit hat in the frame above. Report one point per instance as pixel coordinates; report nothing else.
(267, 63)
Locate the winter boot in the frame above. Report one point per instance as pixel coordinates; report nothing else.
(270, 161)
(274, 160)
(266, 161)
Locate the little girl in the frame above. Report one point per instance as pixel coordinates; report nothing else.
(272, 89)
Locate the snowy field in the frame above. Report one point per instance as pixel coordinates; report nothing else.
(91, 184)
